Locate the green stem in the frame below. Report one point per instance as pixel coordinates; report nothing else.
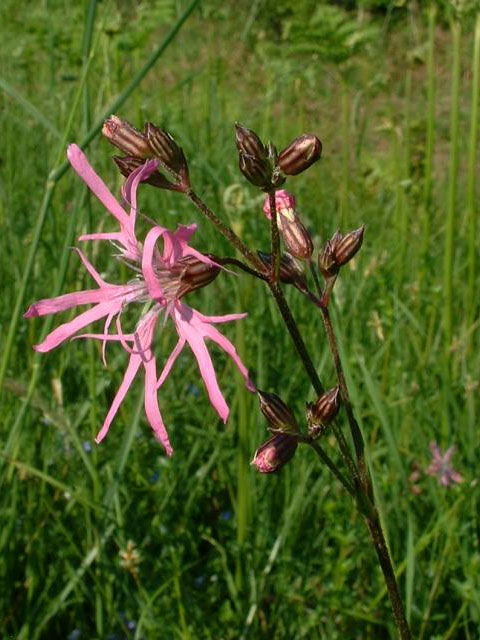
(429, 144)
(296, 337)
(378, 539)
(275, 238)
(472, 299)
(452, 190)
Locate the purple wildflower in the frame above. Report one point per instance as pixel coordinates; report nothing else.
(440, 466)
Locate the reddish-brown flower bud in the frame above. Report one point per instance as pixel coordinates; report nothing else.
(248, 143)
(300, 154)
(297, 239)
(348, 246)
(339, 250)
(126, 138)
(323, 411)
(186, 275)
(280, 417)
(275, 453)
(255, 170)
(167, 151)
(127, 164)
(290, 270)
(326, 261)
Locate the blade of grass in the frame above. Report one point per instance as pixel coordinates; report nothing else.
(472, 298)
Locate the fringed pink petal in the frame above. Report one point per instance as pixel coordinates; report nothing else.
(174, 244)
(113, 236)
(211, 332)
(96, 185)
(128, 378)
(129, 189)
(91, 269)
(154, 288)
(195, 339)
(66, 301)
(170, 362)
(219, 319)
(152, 410)
(68, 329)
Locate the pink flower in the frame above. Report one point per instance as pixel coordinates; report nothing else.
(161, 279)
(440, 466)
(284, 201)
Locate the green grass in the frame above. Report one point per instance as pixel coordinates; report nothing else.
(224, 551)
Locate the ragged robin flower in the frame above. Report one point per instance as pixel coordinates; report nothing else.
(159, 280)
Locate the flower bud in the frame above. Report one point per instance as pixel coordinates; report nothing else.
(186, 275)
(300, 154)
(255, 170)
(280, 418)
(326, 261)
(167, 151)
(339, 250)
(296, 238)
(290, 271)
(248, 143)
(196, 273)
(323, 411)
(348, 246)
(275, 453)
(125, 137)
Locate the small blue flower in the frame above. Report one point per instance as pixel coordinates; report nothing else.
(226, 515)
(154, 477)
(87, 446)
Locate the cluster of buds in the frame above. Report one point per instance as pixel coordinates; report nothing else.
(295, 236)
(264, 167)
(280, 448)
(152, 143)
(339, 250)
(321, 413)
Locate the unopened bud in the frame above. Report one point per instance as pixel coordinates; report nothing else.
(323, 411)
(255, 170)
(280, 417)
(290, 270)
(339, 250)
(275, 453)
(295, 236)
(326, 261)
(127, 164)
(126, 138)
(248, 143)
(195, 273)
(167, 151)
(300, 154)
(348, 246)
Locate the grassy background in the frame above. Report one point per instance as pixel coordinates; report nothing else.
(116, 541)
